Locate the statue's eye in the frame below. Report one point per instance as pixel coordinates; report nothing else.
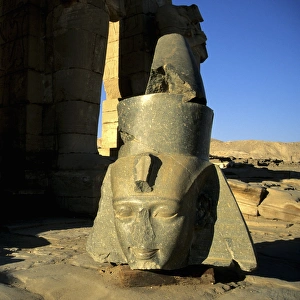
(165, 211)
(123, 211)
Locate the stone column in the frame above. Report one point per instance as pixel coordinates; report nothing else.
(137, 43)
(80, 32)
(23, 159)
(111, 85)
(21, 87)
(78, 36)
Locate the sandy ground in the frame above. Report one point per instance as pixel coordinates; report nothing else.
(46, 259)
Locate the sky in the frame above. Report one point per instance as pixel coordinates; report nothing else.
(252, 73)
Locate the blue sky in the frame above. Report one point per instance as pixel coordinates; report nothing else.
(252, 73)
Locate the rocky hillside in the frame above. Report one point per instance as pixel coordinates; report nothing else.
(256, 149)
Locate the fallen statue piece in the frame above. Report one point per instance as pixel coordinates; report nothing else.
(163, 204)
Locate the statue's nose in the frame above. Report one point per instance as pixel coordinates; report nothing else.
(142, 232)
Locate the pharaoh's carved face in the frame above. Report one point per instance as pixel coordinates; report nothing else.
(155, 227)
(155, 233)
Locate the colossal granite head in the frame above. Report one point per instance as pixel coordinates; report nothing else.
(154, 187)
(162, 199)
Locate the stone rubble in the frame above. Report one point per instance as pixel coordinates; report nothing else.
(265, 187)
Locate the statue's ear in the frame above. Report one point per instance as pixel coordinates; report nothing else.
(206, 213)
(207, 200)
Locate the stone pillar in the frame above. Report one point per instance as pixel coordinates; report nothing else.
(24, 156)
(111, 85)
(137, 43)
(77, 47)
(21, 88)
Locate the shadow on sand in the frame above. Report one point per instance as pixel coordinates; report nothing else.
(24, 235)
(279, 259)
(250, 173)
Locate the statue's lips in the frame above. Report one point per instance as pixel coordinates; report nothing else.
(144, 254)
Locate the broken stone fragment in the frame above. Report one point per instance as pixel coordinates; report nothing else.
(184, 20)
(280, 204)
(174, 70)
(247, 196)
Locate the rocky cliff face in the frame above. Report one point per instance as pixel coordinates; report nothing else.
(255, 149)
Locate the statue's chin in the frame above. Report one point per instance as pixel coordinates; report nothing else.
(145, 265)
(144, 259)
(144, 254)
